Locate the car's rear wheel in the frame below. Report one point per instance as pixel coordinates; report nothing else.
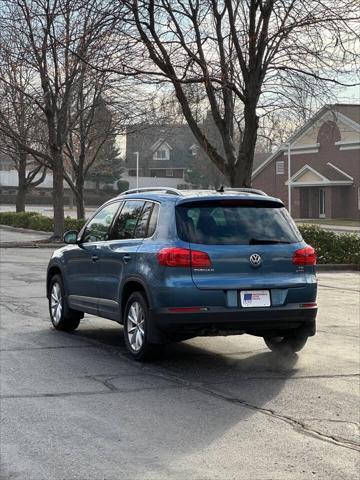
(287, 344)
(62, 317)
(136, 327)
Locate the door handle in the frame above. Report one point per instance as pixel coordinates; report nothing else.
(126, 258)
(94, 258)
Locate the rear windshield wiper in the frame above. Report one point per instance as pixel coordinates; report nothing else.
(265, 241)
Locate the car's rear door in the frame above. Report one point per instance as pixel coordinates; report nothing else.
(118, 255)
(250, 244)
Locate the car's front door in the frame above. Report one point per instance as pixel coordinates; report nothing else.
(82, 263)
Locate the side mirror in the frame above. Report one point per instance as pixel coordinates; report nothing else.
(71, 237)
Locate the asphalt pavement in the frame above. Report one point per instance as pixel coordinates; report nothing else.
(74, 406)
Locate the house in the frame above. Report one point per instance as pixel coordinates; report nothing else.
(324, 162)
(165, 151)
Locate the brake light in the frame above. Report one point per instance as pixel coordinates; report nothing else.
(304, 256)
(183, 257)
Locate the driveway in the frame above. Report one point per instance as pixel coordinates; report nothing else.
(74, 406)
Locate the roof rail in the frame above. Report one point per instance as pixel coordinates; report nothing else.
(171, 191)
(245, 190)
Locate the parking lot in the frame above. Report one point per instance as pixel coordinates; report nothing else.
(74, 406)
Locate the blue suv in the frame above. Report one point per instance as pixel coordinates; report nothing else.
(171, 265)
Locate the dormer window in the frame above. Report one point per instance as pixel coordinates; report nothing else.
(161, 150)
(162, 153)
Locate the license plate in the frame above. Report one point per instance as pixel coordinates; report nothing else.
(255, 298)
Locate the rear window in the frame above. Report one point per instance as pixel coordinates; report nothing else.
(233, 223)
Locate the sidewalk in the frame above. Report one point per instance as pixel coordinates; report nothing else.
(12, 237)
(332, 228)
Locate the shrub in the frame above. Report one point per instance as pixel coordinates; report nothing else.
(74, 223)
(332, 247)
(122, 185)
(36, 221)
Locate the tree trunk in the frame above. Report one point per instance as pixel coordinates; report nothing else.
(240, 175)
(80, 204)
(58, 195)
(22, 187)
(20, 198)
(79, 195)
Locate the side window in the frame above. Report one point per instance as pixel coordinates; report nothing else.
(153, 220)
(141, 227)
(127, 219)
(98, 227)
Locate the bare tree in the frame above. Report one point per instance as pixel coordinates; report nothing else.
(246, 57)
(57, 36)
(88, 130)
(18, 114)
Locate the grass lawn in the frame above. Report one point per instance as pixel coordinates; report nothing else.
(330, 221)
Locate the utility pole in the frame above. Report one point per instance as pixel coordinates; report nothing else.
(289, 177)
(137, 169)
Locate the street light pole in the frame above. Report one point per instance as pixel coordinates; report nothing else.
(289, 177)
(137, 169)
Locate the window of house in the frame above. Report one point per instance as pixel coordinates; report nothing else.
(280, 167)
(162, 153)
(169, 172)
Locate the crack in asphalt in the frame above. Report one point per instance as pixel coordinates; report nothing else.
(110, 389)
(22, 307)
(333, 420)
(178, 382)
(297, 425)
(24, 349)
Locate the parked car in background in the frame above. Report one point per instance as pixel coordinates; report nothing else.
(171, 265)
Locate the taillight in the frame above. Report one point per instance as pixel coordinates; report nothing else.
(304, 256)
(200, 259)
(183, 257)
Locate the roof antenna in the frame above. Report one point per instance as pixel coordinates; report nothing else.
(220, 189)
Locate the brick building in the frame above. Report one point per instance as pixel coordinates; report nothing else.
(324, 164)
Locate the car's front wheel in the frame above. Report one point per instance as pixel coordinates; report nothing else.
(287, 344)
(62, 317)
(136, 326)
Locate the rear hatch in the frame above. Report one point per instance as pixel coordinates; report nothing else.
(250, 243)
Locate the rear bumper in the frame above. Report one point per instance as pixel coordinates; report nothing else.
(229, 321)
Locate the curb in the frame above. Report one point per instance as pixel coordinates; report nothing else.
(341, 267)
(23, 230)
(33, 244)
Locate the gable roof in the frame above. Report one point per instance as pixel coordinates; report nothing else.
(349, 110)
(323, 175)
(350, 113)
(159, 143)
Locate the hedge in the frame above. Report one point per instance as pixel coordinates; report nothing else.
(36, 221)
(330, 247)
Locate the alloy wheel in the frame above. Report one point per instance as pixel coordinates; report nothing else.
(135, 326)
(56, 303)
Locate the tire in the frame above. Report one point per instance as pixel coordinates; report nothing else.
(62, 317)
(287, 345)
(136, 327)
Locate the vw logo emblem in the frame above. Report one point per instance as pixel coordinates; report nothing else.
(255, 260)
